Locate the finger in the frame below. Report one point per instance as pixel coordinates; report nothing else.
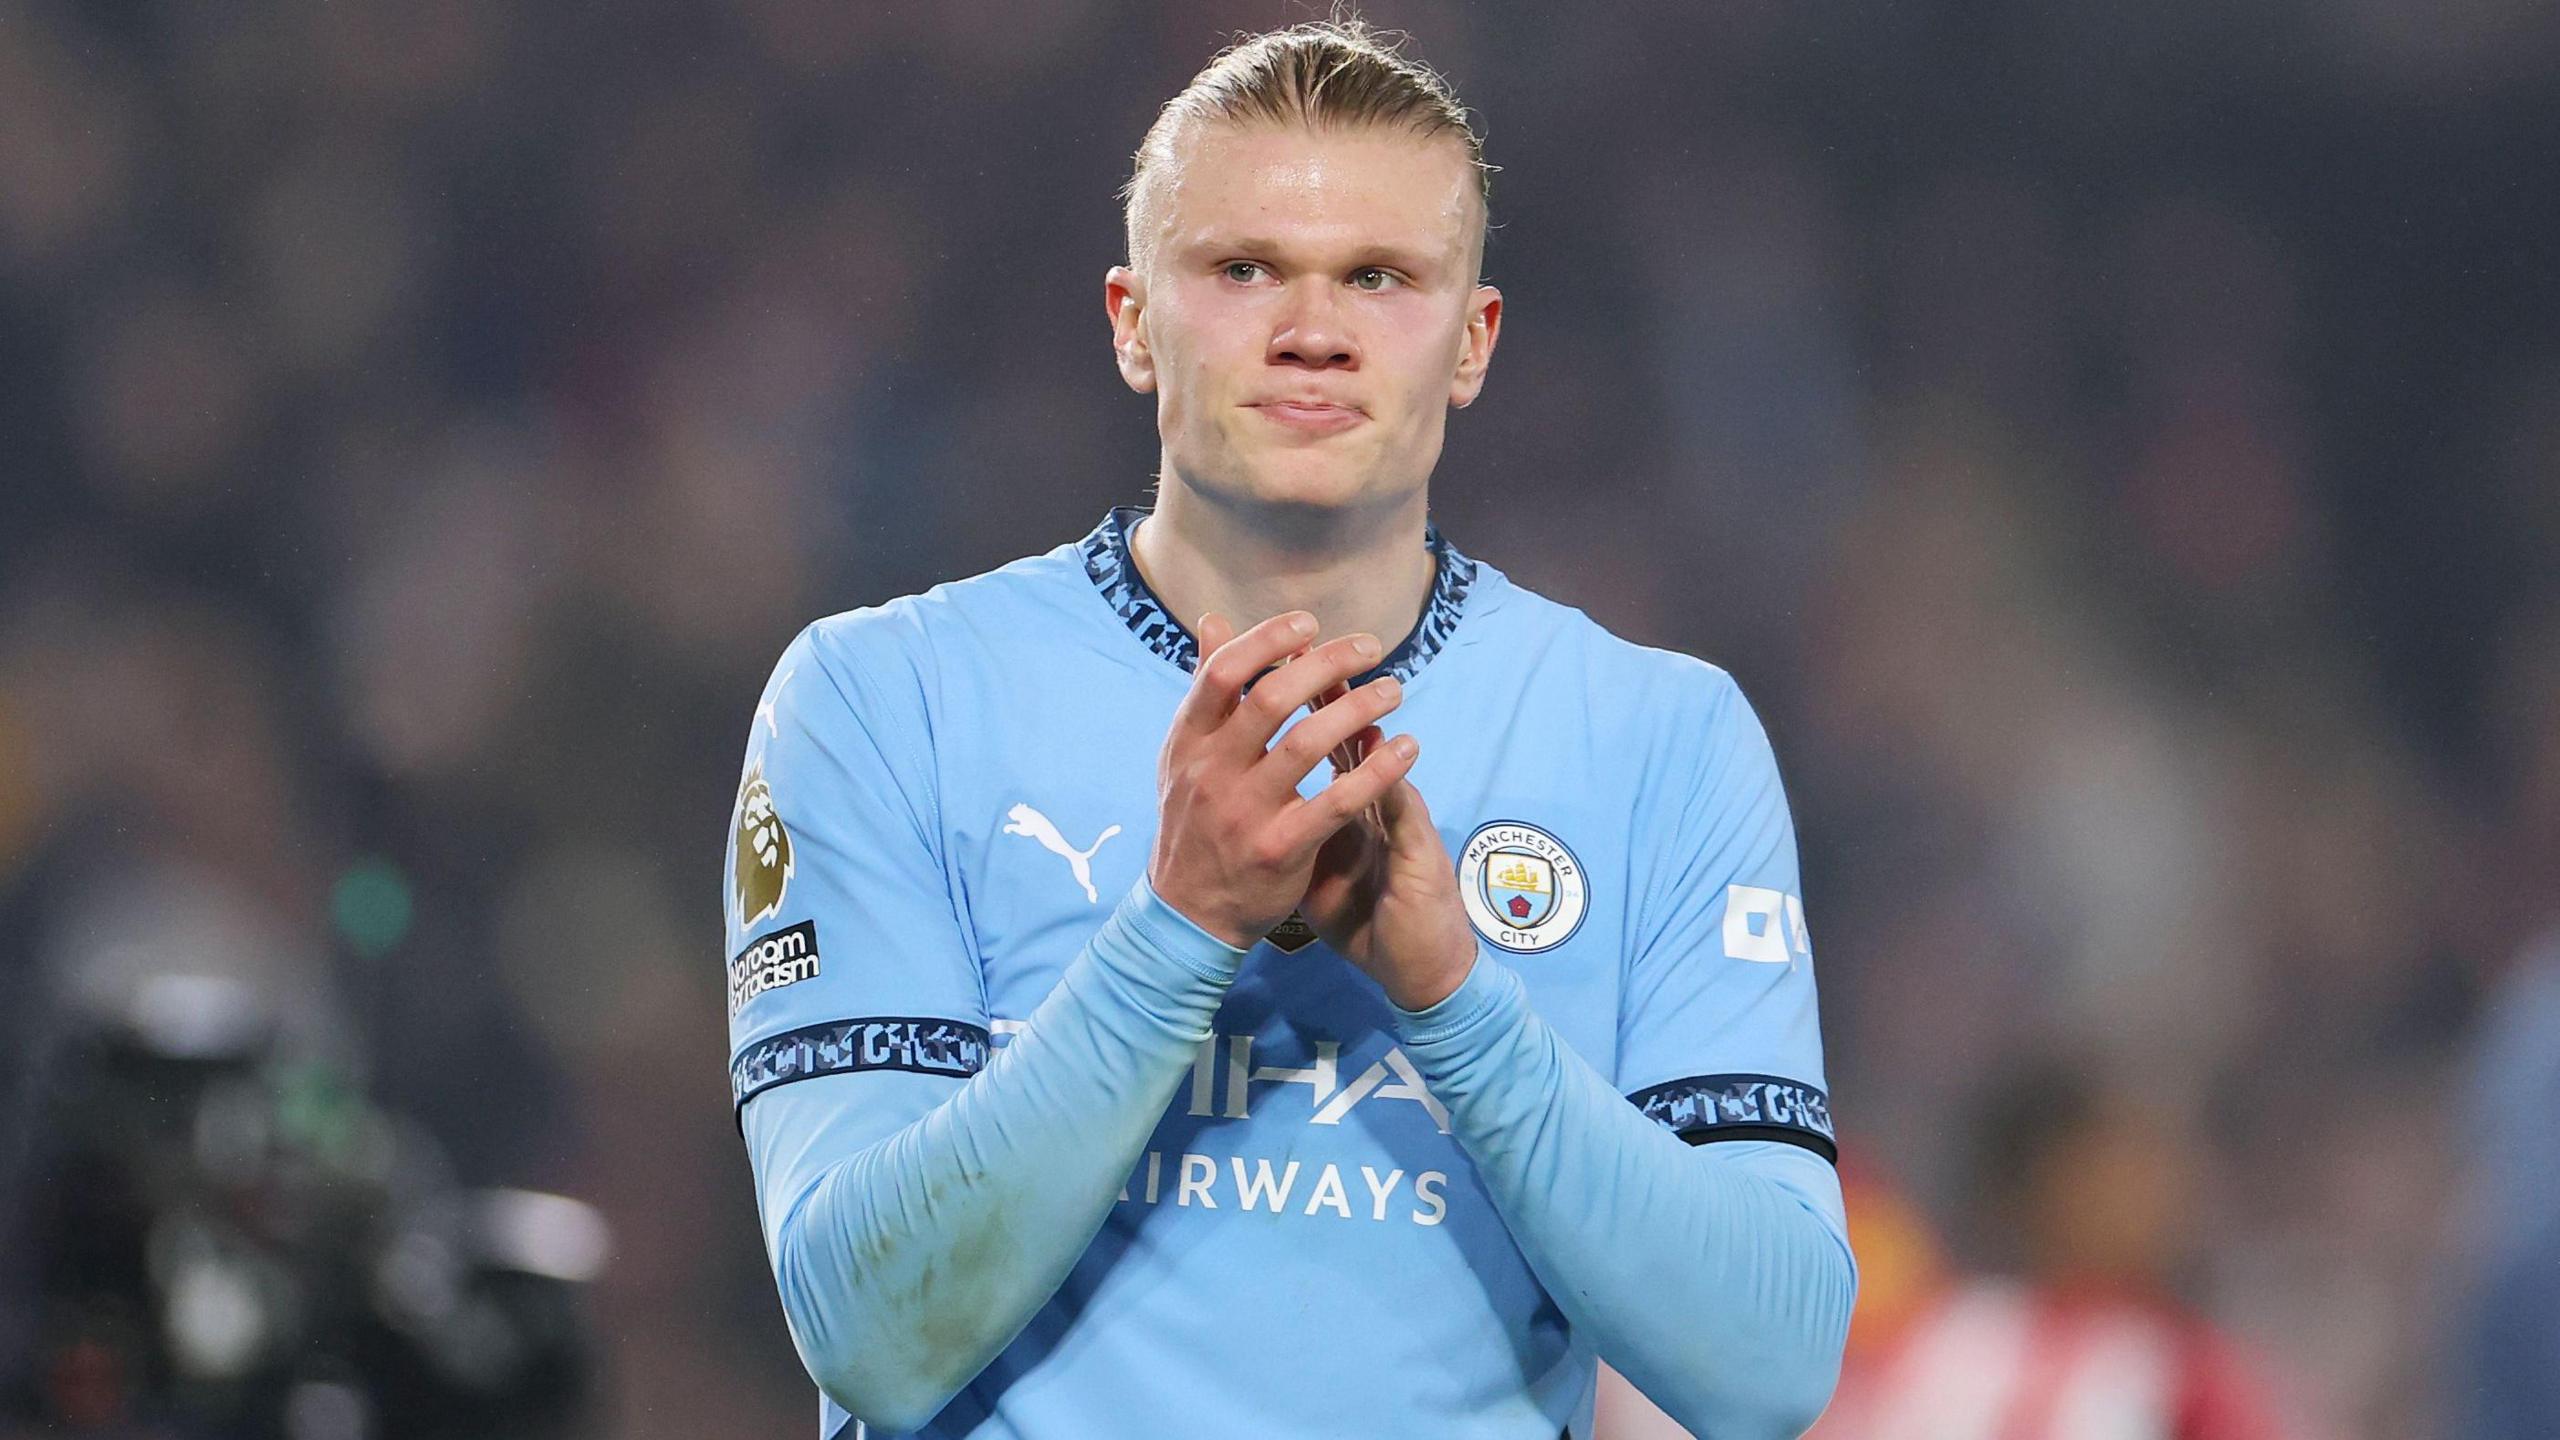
(1349, 754)
(1332, 807)
(1219, 678)
(1277, 696)
(1326, 730)
(1215, 630)
(1333, 692)
(1404, 813)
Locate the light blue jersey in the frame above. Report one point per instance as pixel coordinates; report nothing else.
(946, 798)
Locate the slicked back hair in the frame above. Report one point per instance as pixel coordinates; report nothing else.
(1324, 74)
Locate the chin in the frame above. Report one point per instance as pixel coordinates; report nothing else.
(1298, 485)
(1316, 476)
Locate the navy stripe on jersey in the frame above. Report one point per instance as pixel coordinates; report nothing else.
(879, 1042)
(1704, 1108)
(1108, 566)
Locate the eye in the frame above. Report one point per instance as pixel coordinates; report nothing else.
(1373, 279)
(1243, 272)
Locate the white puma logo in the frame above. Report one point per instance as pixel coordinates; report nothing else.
(764, 708)
(1023, 820)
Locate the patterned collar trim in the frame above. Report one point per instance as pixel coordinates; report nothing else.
(1115, 574)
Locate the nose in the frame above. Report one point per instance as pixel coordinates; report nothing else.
(1313, 333)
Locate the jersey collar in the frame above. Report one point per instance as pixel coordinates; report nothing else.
(1108, 565)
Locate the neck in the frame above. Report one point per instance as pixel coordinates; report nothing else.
(1353, 570)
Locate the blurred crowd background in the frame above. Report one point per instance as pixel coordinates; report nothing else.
(2116, 446)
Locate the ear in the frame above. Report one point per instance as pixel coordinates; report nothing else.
(1124, 298)
(1475, 347)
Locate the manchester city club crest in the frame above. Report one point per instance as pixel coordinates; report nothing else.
(1523, 889)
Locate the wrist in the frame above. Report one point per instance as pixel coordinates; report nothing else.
(1490, 990)
(1173, 931)
(1225, 931)
(1439, 983)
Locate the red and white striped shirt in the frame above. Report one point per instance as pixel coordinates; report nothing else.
(1998, 1360)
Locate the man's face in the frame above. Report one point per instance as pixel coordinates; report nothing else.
(1308, 311)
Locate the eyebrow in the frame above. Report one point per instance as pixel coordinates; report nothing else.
(1376, 253)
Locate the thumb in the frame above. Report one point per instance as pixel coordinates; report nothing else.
(1404, 812)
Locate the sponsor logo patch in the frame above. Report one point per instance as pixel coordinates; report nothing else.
(785, 957)
(1293, 934)
(1523, 889)
(764, 865)
(1041, 830)
(1764, 926)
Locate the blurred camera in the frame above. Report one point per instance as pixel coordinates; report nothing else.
(227, 1239)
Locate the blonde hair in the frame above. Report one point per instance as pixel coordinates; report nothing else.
(1322, 74)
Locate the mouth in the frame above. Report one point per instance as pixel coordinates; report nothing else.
(1312, 417)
